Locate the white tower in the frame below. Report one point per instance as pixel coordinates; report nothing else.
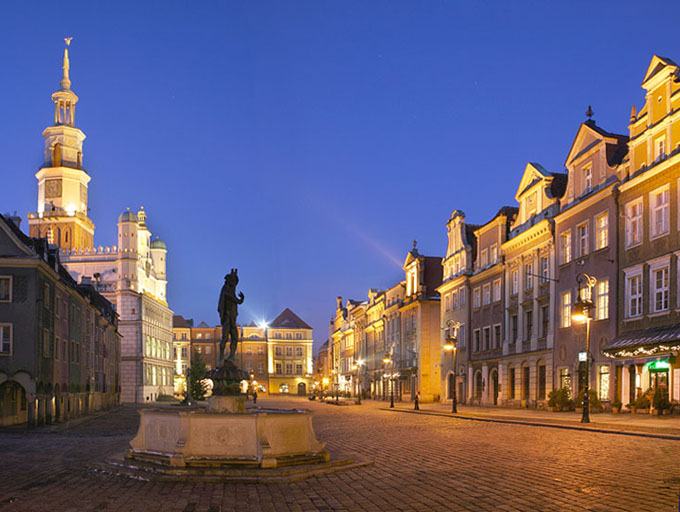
(62, 182)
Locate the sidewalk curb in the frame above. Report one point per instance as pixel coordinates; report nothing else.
(669, 437)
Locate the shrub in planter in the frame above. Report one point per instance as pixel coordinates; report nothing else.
(559, 399)
(616, 405)
(660, 400)
(595, 403)
(642, 402)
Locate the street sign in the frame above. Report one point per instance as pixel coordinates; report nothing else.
(582, 356)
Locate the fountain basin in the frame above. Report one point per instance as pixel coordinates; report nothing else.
(265, 438)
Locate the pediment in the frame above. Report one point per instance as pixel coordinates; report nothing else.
(657, 65)
(533, 173)
(586, 138)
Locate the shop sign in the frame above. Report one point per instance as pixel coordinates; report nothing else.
(658, 365)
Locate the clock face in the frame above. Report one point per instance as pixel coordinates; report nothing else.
(53, 188)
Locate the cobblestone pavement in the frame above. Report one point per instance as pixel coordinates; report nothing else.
(421, 462)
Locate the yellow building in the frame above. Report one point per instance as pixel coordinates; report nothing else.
(289, 354)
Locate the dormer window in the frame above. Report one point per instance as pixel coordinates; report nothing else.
(587, 179)
(485, 258)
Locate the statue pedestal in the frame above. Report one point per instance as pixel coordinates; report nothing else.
(226, 403)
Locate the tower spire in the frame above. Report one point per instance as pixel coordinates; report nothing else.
(65, 81)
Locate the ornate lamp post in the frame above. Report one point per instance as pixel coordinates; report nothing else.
(451, 345)
(389, 361)
(583, 313)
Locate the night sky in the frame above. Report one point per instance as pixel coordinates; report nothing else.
(308, 143)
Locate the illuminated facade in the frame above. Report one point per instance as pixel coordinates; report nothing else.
(131, 274)
(289, 355)
(648, 228)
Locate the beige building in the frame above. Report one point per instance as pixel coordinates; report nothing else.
(526, 369)
(289, 353)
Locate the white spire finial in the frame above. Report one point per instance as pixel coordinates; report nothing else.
(65, 81)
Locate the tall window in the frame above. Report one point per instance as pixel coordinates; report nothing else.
(603, 378)
(486, 294)
(602, 231)
(476, 340)
(5, 289)
(485, 257)
(529, 324)
(278, 350)
(497, 290)
(497, 336)
(299, 351)
(545, 269)
(582, 240)
(529, 276)
(289, 351)
(634, 223)
(476, 297)
(447, 302)
(298, 368)
(565, 247)
(565, 309)
(461, 336)
(494, 253)
(602, 300)
(461, 296)
(279, 370)
(513, 326)
(515, 281)
(541, 382)
(455, 299)
(5, 339)
(659, 282)
(587, 179)
(511, 383)
(545, 320)
(289, 368)
(658, 201)
(565, 378)
(634, 293)
(660, 148)
(487, 338)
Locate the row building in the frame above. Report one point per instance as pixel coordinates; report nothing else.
(605, 228)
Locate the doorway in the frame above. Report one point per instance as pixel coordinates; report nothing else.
(302, 389)
(494, 386)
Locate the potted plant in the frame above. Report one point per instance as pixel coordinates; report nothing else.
(594, 401)
(642, 404)
(660, 400)
(631, 407)
(616, 406)
(552, 401)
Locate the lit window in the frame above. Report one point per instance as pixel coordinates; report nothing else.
(634, 293)
(5, 289)
(602, 300)
(603, 388)
(566, 309)
(260, 350)
(494, 253)
(565, 378)
(634, 223)
(582, 240)
(249, 350)
(565, 247)
(658, 201)
(659, 283)
(602, 231)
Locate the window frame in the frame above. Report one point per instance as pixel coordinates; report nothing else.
(486, 294)
(654, 208)
(601, 300)
(10, 339)
(600, 230)
(566, 253)
(565, 309)
(633, 238)
(629, 276)
(583, 239)
(9, 279)
(497, 290)
(654, 290)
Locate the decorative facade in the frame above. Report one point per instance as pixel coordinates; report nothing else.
(131, 274)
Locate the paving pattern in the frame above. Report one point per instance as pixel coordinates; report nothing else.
(421, 463)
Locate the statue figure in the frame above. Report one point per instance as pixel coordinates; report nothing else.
(227, 307)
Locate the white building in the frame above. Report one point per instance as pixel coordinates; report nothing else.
(130, 274)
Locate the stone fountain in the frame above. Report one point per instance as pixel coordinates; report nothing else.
(225, 435)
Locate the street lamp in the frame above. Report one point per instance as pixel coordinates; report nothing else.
(388, 360)
(451, 345)
(356, 368)
(582, 313)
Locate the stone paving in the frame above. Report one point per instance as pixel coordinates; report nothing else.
(421, 463)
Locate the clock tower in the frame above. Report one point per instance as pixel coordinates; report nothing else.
(62, 183)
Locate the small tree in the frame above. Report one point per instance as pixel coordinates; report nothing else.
(196, 373)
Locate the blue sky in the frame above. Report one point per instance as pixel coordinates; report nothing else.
(308, 143)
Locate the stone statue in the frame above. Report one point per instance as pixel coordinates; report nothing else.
(227, 307)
